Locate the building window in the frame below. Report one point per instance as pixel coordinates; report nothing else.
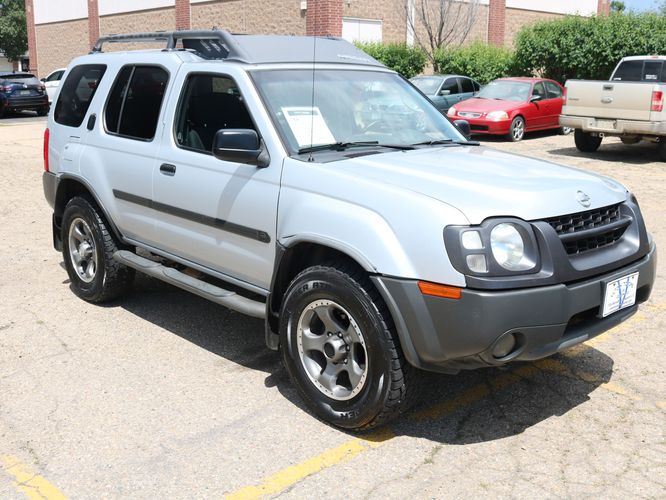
(361, 30)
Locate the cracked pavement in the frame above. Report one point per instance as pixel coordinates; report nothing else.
(162, 394)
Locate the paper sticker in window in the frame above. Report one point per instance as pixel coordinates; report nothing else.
(308, 126)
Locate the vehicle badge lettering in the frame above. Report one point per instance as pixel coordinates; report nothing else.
(583, 199)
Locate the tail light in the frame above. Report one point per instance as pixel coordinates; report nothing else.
(657, 101)
(5, 88)
(46, 150)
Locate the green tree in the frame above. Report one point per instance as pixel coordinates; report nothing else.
(13, 30)
(617, 6)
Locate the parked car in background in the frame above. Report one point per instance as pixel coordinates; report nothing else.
(446, 90)
(629, 106)
(512, 106)
(21, 91)
(52, 82)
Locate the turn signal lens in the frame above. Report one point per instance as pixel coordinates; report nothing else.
(437, 290)
(46, 150)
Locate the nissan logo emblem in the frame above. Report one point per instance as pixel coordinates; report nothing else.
(583, 199)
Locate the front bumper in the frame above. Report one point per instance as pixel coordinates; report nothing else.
(485, 126)
(609, 126)
(446, 335)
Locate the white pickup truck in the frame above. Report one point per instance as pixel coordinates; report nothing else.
(629, 106)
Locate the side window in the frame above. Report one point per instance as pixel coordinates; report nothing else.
(629, 71)
(77, 91)
(209, 103)
(451, 85)
(554, 91)
(539, 90)
(466, 85)
(477, 87)
(134, 104)
(54, 77)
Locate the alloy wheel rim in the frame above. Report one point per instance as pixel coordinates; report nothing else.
(332, 350)
(518, 129)
(82, 250)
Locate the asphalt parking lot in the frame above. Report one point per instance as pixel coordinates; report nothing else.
(165, 395)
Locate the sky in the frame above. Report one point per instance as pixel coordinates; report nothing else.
(641, 5)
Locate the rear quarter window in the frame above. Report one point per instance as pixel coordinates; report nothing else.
(76, 94)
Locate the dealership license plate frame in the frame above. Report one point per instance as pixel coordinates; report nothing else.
(619, 294)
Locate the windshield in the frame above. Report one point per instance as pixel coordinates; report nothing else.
(427, 85)
(506, 91)
(349, 106)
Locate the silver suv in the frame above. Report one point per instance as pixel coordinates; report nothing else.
(300, 181)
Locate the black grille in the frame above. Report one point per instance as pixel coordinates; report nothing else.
(580, 232)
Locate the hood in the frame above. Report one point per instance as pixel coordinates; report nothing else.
(482, 182)
(482, 105)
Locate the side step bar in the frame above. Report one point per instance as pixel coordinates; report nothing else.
(213, 293)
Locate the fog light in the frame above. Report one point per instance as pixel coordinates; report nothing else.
(504, 346)
(477, 263)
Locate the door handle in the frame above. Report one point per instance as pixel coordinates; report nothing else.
(168, 169)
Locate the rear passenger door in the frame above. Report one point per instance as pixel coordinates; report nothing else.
(122, 144)
(448, 95)
(218, 214)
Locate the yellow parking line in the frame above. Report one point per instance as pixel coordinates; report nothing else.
(32, 485)
(289, 476)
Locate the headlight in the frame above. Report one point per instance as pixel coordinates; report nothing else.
(496, 247)
(452, 111)
(508, 248)
(497, 115)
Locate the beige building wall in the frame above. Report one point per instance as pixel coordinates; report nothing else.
(132, 22)
(58, 43)
(389, 12)
(278, 17)
(518, 18)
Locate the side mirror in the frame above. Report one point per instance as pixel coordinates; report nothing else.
(535, 98)
(239, 145)
(463, 127)
(444, 92)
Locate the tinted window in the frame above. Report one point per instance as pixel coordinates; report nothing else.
(652, 71)
(466, 85)
(54, 77)
(629, 71)
(451, 85)
(134, 103)
(209, 103)
(539, 90)
(76, 93)
(553, 90)
(476, 86)
(18, 76)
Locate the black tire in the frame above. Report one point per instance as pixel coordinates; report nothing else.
(389, 386)
(517, 129)
(586, 142)
(43, 111)
(109, 278)
(661, 148)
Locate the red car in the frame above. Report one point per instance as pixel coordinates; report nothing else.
(511, 107)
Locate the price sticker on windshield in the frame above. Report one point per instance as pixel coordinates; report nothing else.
(620, 294)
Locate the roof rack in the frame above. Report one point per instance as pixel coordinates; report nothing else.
(209, 44)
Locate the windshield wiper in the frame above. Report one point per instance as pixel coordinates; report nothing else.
(341, 146)
(446, 141)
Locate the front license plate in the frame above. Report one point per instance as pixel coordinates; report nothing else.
(24, 92)
(620, 293)
(605, 124)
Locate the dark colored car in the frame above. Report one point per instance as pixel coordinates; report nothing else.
(446, 90)
(512, 106)
(19, 91)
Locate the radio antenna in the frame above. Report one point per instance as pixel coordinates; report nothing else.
(314, 57)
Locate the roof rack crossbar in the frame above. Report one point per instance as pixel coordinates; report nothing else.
(226, 40)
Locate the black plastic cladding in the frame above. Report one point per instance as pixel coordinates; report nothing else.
(556, 265)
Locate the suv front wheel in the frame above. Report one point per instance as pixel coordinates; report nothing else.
(88, 248)
(340, 348)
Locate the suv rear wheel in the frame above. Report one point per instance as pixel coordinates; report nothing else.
(586, 142)
(88, 248)
(340, 348)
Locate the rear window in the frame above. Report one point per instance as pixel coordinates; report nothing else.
(135, 101)
(641, 71)
(77, 92)
(17, 76)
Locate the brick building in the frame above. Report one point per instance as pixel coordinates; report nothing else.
(59, 31)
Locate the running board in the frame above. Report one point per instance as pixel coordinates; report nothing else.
(213, 293)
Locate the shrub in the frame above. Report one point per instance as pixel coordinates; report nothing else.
(406, 60)
(479, 61)
(587, 48)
